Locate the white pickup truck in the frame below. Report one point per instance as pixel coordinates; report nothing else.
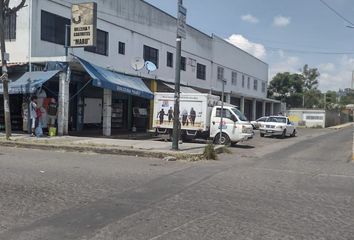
(277, 126)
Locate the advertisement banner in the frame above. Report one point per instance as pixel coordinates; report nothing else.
(83, 24)
(192, 112)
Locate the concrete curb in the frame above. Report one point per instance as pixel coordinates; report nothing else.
(109, 150)
(338, 127)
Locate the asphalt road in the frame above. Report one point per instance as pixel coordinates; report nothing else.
(268, 188)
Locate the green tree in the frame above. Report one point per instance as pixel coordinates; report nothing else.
(310, 78)
(312, 98)
(287, 87)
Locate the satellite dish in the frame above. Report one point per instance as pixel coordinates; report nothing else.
(138, 63)
(150, 66)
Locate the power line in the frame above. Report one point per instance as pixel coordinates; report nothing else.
(336, 12)
(308, 51)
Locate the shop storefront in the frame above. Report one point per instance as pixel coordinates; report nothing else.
(98, 100)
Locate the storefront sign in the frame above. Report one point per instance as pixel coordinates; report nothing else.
(83, 24)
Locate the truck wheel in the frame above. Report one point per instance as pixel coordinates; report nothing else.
(283, 134)
(225, 140)
(262, 134)
(293, 134)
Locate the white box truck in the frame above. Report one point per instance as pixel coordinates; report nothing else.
(200, 117)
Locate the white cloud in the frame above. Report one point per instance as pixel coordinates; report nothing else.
(285, 64)
(336, 75)
(326, 67)
(281, 21)
(249, 18)
(256, 49)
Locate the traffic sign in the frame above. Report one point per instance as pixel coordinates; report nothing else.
(181, 21)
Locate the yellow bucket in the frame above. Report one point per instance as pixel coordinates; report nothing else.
(52, 131)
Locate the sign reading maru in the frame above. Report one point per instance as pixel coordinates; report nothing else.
(83, 24)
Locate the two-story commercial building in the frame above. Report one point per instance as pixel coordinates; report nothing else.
(97, 87)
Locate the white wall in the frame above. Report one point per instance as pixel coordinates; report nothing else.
(18, 48)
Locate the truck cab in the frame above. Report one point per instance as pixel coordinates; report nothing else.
(235, 126)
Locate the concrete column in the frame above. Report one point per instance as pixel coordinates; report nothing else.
(272, 108)
(264, 106)
(66, 105)
(61, 103)
(153, 88)
(242, 105)
(254, 109)
(107, 112)
(228, 97)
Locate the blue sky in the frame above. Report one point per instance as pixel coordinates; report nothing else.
(284, 33)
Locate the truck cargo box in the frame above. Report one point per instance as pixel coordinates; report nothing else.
(195, 110)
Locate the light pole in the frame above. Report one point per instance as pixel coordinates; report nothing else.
(181, 33)
(222, 109)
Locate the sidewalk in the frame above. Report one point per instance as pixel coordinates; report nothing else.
(144, 148)
(342, 126)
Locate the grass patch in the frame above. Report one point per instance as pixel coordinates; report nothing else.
(209, 152)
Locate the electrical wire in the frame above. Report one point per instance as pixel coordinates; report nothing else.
(308, 51)
(337, 13)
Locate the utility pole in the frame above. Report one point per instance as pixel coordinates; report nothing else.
(181, 25)
(222, 110)
(4, 76)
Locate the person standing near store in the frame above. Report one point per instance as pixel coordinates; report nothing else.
(52, 113)
(33, 114)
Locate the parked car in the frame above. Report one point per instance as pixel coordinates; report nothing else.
(257, 123)
(277, 126)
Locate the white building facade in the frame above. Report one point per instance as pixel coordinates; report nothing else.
(133, 28)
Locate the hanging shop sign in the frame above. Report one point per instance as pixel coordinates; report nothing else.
(83, 24)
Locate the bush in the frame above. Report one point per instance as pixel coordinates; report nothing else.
(209, 152)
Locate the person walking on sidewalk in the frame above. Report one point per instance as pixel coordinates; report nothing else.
(33, 115)
(52, 113)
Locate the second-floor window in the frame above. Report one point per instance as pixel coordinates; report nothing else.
(101, 45)
(220, 73)
(201, 71)
(234, 78)
(53, 28)
(255, 84)
(121, 48)
(248, 82)
(152, 55)
(10, 27)
(183, 63)
(169, 59)
(263, 86)
(243, 81)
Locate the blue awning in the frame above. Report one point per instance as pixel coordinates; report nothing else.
(29, 82)
(119, 82)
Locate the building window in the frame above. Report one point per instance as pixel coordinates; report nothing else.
(169, 59)
(152, 55)
(53, 28)
(263, 86)
(201, 71)
(234, 78)
(101, 45)
(248, 82)
(121, 48)
(255, 84)
(243, 81)
(220, 73)
(183, 63)
(314, 117)
(10, 27)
